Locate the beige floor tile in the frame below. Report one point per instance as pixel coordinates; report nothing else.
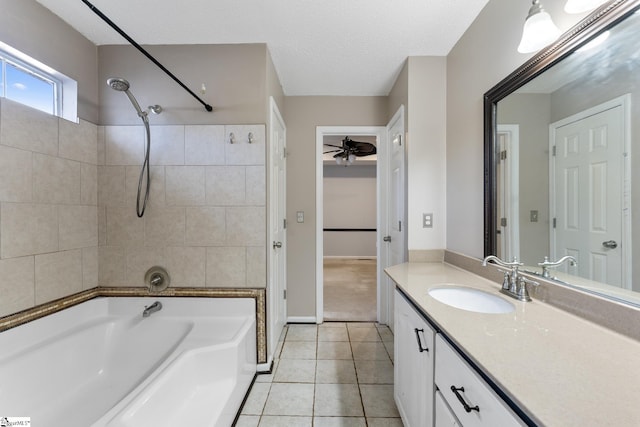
(267, 378)
(295, 371)
(333, 334)
(364, 334)
(334, 350)
(378, 401)
(335, 372)
(339, 422)
(290, 399)
(247, 421)
(276, 421)
(369, 351)
(374, 371)
(340, 400)
(360, 325)
(256, 399)
(385, 333)
(384, 422)
(330, 324)
(298, 350)
(388, 345)
(302, 333)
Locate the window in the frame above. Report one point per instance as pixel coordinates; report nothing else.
(29, 82)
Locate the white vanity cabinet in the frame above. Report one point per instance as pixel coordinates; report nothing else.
(470, 398)
(413, 365)
(443, 414)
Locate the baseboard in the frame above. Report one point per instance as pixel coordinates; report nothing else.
(349, 257)
(301, 319)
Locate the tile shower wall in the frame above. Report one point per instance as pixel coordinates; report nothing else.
(206, 218)
(48, 207)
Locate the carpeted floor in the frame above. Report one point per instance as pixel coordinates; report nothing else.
(350, 290)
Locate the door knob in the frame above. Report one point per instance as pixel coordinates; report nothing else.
(387, 238)
(277, 245)
(610, 244)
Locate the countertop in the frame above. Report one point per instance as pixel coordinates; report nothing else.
(559, 369)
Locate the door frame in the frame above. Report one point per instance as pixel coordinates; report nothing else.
(273, 334)
(380, 133)
(510, 241)
(624, 102)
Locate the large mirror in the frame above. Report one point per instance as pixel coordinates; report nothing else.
(562, 157)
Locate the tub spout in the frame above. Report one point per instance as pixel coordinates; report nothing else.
(156, 306)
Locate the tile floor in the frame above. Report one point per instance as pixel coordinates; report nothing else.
(331, 375)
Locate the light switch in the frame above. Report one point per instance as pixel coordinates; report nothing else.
(300, 216)
(427, 220)
(533, 216)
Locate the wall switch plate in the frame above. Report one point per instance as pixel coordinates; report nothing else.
(427, 220)
(533, 216)
(300, 216)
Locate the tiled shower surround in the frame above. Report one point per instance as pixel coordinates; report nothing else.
(67, 206)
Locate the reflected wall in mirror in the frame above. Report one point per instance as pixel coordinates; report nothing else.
(562, 157)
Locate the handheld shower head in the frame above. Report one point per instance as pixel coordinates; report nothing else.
(119, 84)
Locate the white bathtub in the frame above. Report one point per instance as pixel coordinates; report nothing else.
(101, 363)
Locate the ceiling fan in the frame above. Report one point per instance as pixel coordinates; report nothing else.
(346, 153)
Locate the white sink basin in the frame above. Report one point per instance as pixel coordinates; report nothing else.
(471, 299)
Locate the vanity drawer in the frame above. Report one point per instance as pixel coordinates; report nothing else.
(444, 415)
(484, 407)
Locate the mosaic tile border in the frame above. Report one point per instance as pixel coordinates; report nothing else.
(258, 294)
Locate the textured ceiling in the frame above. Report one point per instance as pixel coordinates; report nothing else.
(328, 47)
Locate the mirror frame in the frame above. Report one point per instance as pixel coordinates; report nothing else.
(601, 19)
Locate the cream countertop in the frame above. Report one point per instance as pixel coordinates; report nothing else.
(559, 369)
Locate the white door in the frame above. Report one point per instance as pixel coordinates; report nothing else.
(393, 196)
(276, 310)
(589, 211)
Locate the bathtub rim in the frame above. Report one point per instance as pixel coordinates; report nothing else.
(258, 294)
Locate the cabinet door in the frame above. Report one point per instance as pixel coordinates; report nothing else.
(413, 365)
(443, 415)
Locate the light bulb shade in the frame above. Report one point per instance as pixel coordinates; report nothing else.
(539, 30)
(339, 160)
(351, 158)
(580, 6)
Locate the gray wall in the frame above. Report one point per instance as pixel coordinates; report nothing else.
(235, 77)
(29, 27)
(484, 55)
(302, 115)
(532, 113)
(350, 201)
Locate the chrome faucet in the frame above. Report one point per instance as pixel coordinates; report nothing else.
(546, 264)
(513, 283)
(156, 306)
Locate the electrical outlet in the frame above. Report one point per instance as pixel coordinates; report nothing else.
(427, 220)
(300, 216)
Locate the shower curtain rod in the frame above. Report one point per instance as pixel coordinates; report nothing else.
(145, 53)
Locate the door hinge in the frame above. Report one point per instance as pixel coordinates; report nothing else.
(553, 150)
(503, 155)
(554, 223)
(400, 140)
(399, 225)
(284, 294)
(503, 222)
(284, 223)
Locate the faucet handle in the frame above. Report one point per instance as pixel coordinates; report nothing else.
(523, 293)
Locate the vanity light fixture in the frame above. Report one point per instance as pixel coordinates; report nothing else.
(580, 6)
(539, 30)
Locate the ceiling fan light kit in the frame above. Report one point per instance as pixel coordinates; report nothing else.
(347, 153)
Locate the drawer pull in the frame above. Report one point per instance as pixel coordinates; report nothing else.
(461, 399)
(416, 330)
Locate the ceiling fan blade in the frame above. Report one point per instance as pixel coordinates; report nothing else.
(331, 145)
(332, 151)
